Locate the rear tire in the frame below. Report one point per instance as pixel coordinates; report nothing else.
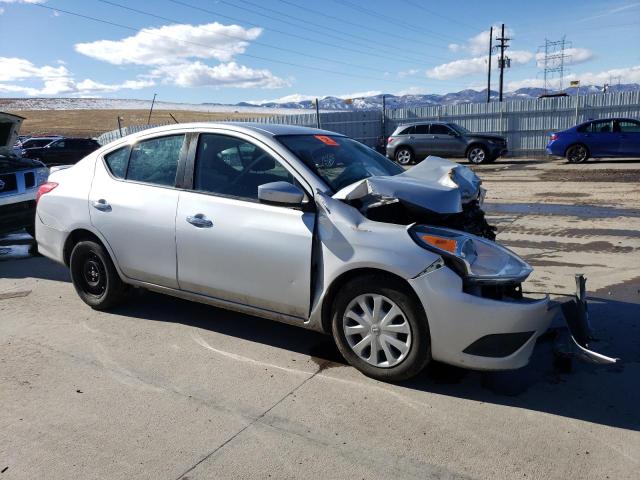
(401, 340)
(404, 156)
(95, 277)
(577, 153)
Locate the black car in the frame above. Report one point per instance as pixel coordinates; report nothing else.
(64, 151)
(414, 142)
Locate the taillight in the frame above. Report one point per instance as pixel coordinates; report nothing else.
(45, 188)
(554, 136)
(390, 139)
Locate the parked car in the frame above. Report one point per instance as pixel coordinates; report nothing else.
(303, 226)
(19, 181)
(414, 142)
(611, 137)
(32, 142)
(62, 151)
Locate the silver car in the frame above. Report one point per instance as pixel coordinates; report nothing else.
(303, 226)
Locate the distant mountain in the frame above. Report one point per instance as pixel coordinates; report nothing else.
(428, 100)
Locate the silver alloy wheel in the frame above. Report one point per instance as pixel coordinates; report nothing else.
(476, 155)
(403, 157)
(377, 330)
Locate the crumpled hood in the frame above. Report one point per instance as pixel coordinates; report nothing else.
(435, 184)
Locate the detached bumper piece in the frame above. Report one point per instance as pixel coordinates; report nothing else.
(576, 314)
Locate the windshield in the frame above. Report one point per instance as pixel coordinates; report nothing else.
(458, 128)
(339, 161)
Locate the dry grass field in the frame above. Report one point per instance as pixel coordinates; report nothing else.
(91, 123)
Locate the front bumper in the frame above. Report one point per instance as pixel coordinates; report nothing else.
(460, 323)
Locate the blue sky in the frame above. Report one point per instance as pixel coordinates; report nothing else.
(253, 50)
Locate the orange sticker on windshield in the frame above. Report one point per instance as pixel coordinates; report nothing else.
(327, 140)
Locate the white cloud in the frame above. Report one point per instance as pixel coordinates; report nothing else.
(1, 10)
(454, 47)
(408, 73)
(411, 91)
(23, 1)
(169, 44)
(198, 74)
(574, 56)
(470, 66)
(627, 75)
(55, 80)
(175, 55)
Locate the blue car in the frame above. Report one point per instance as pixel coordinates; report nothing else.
(613, 137)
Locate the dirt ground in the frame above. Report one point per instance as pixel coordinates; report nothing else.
(91, 123)
(164, 388)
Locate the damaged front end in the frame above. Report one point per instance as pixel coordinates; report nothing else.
(440, 202)
(435, 192)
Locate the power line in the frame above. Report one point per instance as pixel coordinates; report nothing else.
(388, 19)
(353, 24)
(128, 27)
(444, 17)
(257, 42)
(321, 42)
(324, 28)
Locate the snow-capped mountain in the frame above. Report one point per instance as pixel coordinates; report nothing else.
(326, 104)
(427, 100)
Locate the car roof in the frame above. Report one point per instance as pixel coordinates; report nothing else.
(426, 122)
(269, 129)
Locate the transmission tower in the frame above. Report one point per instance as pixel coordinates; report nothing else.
(553, 61)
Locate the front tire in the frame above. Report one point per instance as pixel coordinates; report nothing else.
(95, 277)
(477, 154)
(577, 154)
(404, 156)
(380, 328)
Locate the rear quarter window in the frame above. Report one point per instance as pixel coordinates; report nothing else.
(155, 160)
(117, 162)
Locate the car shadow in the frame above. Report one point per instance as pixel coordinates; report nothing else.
(607, 395)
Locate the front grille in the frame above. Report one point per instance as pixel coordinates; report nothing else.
(9, 183)
(29, 180)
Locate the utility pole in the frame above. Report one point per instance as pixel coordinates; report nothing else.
(120, 125)
(504, 62)
(489, 69)
(384, 113)
(151, 109)
(317, 113)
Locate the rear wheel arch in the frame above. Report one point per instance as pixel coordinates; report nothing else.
(80, 235)
(473, 145)
(348, 276)
(576, 144)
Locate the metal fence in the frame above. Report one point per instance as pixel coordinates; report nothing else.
(525, 123)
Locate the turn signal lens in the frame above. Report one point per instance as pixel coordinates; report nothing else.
(45, 188)
(447, 244)
(554, 136)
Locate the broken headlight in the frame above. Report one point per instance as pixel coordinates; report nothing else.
(476, 259)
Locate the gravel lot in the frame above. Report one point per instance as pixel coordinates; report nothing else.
(166, 389)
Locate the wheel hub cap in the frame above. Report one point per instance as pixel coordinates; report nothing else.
(377, 330)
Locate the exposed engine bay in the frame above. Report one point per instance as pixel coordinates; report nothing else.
(435, 192)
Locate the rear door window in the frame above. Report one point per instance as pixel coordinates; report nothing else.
(438, 129)
(602, 126)
(628, 126)
(407, 131)
(155, 160)
(422, 129)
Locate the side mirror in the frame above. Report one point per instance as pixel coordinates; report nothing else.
(280, 193)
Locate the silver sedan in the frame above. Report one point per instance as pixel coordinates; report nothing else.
(303, 226)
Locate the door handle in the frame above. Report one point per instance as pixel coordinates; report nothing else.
(101, 205)
(200, 221)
